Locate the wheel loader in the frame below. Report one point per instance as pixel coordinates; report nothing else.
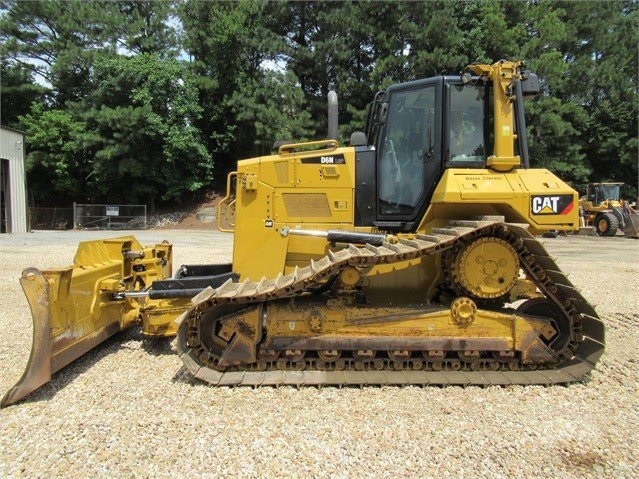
(602, 208)
(408, 257)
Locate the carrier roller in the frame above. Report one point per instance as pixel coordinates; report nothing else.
(310, 328)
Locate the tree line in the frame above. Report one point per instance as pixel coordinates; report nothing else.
(155, 101)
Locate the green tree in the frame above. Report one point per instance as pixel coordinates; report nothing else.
(603, 78)
(140, 123)
(273, 108)
(58, 40)
(491, 29)
(328, 46)
(18, 91)
(434, 39)
(58, 163)
(585, 125)
(554, 121)
(132, 139)
(145, 27)
(222, 40)
(105, 108)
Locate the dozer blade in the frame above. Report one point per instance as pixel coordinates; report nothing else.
(38, 371)
(75, 308)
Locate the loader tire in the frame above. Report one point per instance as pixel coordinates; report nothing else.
(606, 224)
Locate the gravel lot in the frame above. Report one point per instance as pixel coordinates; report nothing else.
(128, 410)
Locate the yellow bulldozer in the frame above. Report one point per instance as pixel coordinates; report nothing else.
(603, 209)
(407, 257)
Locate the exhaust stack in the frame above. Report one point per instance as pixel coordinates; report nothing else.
(332, 115)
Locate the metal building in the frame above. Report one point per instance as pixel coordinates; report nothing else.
(13, 196)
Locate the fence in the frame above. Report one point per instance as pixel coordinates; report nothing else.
(88, 216)
(50, 218)
(109, 216)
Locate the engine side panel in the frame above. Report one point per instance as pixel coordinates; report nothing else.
(302, 190)
(533, 196)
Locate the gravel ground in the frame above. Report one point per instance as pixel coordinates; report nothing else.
(127, 409)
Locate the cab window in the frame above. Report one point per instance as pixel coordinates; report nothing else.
(466, 141)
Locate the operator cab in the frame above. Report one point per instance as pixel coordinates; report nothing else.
(600, 192)
(415, 131)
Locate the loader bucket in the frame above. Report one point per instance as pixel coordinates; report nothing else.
(77, 307)
(631, 227)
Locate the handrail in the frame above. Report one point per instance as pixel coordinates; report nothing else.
(229, 203)
(289, 148)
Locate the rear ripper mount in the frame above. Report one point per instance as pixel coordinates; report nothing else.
(232, 334)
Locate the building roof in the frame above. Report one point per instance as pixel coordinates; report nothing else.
(12, 129)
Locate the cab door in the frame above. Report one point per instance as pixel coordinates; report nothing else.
(409, 153)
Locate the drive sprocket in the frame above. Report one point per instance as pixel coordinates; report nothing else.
(484, 268)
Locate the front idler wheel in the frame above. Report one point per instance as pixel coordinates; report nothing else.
(545, 308)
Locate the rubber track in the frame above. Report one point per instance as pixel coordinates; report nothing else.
(588, 330)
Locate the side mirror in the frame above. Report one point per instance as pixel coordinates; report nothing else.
(529, 84)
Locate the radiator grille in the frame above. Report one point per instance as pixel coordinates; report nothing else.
(306, 204)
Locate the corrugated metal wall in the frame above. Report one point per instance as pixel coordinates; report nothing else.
(13, 180)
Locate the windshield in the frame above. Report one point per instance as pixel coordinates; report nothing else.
(466, 139)
(606, 192)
